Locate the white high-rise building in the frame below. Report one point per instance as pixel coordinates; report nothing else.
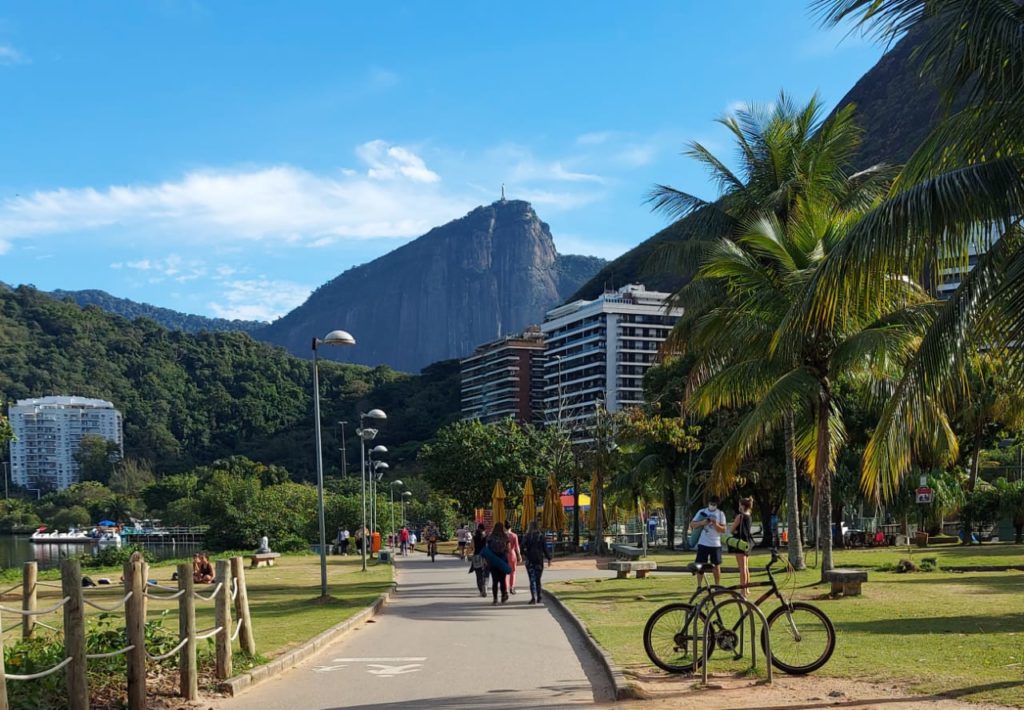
(48, 431)
(600, 350)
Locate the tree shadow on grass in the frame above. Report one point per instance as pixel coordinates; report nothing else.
(983, 583)
(966, 624)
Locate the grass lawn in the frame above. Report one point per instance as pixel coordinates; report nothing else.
(282, 598)
(928, 631)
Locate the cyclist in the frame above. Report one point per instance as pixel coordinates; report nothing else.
(709, 547)
(431, 536)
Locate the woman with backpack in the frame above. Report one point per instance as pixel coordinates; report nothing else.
(477, 564)
(741, 529)
(535, 549)
(497, 543)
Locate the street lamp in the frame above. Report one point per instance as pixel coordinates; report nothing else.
(405, 496)
(372, 477)
(394, 537)
(335, 337)
(364, 436)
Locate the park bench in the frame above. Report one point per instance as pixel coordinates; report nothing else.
(627, 552)
(846, 582)
(258, 559)
(623, 568)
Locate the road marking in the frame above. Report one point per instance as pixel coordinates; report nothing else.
(328, 669)
(381, 660)
(383, 671)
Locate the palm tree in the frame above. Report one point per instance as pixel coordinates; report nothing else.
(962, 191)
(787, 154)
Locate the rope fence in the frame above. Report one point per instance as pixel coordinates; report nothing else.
(230, 591)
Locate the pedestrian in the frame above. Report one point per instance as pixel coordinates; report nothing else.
(343, 537)
(403, 539)
(412, 541)
(535, 549)
(463, 536)
(513, 555)
(478, 565)
(709, 546)
(741, 529)
(497, 543)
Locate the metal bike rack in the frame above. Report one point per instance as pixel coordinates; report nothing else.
(744, 603)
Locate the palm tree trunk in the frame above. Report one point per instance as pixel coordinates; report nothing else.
(670, 517)
(823, 480)
(795, 544)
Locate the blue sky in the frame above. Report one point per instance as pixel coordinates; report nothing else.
(225, 158)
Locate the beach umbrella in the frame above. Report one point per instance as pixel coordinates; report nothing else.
(498, 503)
(529, 505)
(106, 523)
(566, 499)
(553, 516)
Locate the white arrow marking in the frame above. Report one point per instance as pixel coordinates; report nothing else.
(372, 660)
(328, 669)
(389, 671)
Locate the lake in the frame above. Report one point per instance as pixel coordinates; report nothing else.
(15, 550)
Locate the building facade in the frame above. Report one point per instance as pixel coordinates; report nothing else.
(598, 351)
(505, 378)
(48, 431)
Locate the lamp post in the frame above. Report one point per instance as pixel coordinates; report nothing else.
(394, 531)
(364, 435)
(379, 468)
(335, 337)
(344, 456)
(405, 496)
(372, 477)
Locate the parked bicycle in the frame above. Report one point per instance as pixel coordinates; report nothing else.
(802, 636)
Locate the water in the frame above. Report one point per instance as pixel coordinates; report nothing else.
(15, 550)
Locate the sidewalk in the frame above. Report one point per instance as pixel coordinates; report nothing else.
(438, 644)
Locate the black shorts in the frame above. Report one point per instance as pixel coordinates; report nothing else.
(709, 555)
(462, 545)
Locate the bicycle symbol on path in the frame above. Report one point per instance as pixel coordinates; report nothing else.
(380, 667)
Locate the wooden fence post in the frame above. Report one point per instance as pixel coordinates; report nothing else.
(3, 676)
(247, 639)
(74, 634)
(187, 670)
(135, 625)
(29, 597)
(223, 620)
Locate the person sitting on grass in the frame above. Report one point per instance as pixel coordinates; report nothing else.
(202, 570)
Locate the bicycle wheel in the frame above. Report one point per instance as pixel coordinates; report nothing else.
(802, 637)
(668, 639)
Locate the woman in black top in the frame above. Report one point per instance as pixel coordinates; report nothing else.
(535, 549)
(741, 529)
(477, 563)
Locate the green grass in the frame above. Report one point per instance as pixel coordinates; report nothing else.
(282, 599)
(930, 632)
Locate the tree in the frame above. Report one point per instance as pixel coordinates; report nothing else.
(1011, 501)
(74, 517)
(130, 477)
(96, 456)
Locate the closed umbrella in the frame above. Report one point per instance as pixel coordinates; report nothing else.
(553, 516)
(498, 503)
(529, 505)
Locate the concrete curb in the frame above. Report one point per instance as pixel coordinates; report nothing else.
(622, 688)
(234, 686)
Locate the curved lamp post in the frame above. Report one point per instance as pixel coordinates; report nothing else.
(405, 496)
(335, 337)
(394, 537)
(365, 435)
(373, 476)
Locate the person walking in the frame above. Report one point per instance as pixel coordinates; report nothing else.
(741, 528)
(478, 565)
(709, 546)
(463, 537)
(535, 549)
(513, 556)
(403, 540)
(497, 543)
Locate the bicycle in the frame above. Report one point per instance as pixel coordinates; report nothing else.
(802, 636)
(432, 549)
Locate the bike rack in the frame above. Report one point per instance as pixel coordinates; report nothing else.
(733, 598)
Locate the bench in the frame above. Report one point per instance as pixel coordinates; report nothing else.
(627, 552)
(259, 559)
(623, 568)
(846, 582)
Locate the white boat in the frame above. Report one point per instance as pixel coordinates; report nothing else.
(76, 537)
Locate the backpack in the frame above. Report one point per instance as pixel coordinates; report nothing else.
(496, 544)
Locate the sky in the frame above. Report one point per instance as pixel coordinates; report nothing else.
(226, 158)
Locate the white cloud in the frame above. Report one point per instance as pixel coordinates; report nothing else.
(5, 246)
(595, 138)
(396, 196)
(10, 55)
(259, 299)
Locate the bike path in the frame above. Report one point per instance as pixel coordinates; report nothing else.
(438, 644)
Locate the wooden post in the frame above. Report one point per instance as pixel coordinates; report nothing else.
(74, 635)
(187, 669)
(3, 676)
(135, 625)
(223, 620)
(246, 637)
(29, 597)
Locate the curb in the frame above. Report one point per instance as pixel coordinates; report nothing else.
(622, 688)
(234, 686)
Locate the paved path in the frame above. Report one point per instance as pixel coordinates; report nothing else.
(438, 644)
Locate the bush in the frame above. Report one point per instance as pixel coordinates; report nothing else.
(114, 556)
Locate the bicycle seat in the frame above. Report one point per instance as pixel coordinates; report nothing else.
(695, 567)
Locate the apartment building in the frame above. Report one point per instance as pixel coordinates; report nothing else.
(48, 432)
(505, 378)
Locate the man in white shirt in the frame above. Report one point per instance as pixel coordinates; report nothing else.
(709, 547)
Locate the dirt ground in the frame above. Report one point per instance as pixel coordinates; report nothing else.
(787, 692)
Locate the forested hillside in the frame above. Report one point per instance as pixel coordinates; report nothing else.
(190, 399)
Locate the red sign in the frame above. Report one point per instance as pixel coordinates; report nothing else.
(925, 490)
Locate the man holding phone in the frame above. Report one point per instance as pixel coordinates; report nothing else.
(709, 547)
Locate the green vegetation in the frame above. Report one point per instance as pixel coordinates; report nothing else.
(929, 632)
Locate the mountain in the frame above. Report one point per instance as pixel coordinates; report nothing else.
(188, 400)
(477, 278)
(174, 320)
(896, 107)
